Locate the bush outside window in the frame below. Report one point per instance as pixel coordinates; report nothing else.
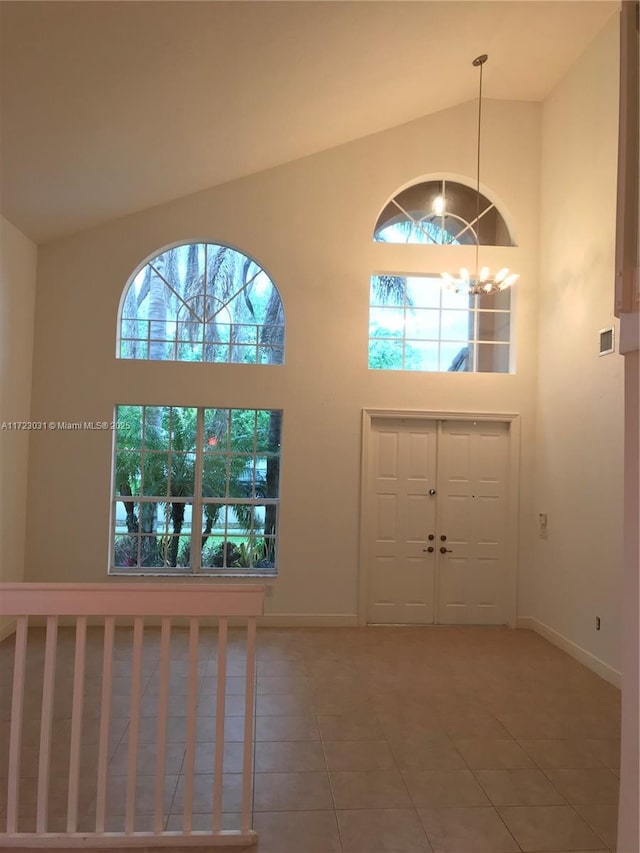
(195, 490)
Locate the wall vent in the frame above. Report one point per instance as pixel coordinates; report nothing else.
(607, 343)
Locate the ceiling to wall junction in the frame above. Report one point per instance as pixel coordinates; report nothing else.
(112, 107)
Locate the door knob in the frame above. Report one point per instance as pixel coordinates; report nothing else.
(429, 550)
(431, 537)
(432, 491)
(444, 550)
(443, 538)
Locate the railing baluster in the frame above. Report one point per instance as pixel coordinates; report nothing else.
(105, 721)
(48, 687)
(135, 602)
(192, 710)
(221, 689)
(161, 742)
(15, 734)
(134, 725)
(76, 723)
(247, 758)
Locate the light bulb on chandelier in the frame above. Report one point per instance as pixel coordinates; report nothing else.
(481, 282)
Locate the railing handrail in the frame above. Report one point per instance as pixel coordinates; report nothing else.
(131, 599)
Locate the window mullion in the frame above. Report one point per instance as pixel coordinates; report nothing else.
(196, 508)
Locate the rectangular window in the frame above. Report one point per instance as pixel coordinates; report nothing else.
(195, 490)
(416, 324)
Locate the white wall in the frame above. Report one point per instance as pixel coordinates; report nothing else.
(309, 223)
(579, 456)
(18, 257)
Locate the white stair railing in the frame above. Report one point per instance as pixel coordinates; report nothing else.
(105, 603)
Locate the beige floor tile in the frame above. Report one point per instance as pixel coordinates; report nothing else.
(275, 684)
(117, 789)
(398, 729)
(358, 755)
(329, 702)
(565, 754)
(417, 753)
(492, 753)
(233, 754)
(473, 725)
(291, 792)
(535, 724)
(280, 668)
(382, 830)
(234, 704)
(203, 793)
(607, 750)
(235, 684)
(148, 732)
(287, 728)
(203, 822)
(115, 823)
(147, 758)
(410, 687)
(297, 832)
(597, 725)
(546, 828)
(603, 819)
(467, 830)
(350, 727)
(284, 704)
(529, 787)
(377, 789)
(289, 757)
(585, 787)
(444, 788)
(233, 729)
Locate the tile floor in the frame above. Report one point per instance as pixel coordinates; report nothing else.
(370, 740)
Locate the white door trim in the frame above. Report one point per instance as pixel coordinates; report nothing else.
(513, 513)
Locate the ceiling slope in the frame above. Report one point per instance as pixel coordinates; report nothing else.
(112, 107)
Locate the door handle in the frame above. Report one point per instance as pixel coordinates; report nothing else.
(428, 550)
(444, 550)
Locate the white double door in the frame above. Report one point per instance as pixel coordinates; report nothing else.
(436, 522)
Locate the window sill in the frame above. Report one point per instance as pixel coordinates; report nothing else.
(191, 575)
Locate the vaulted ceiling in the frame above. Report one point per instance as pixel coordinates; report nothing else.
(112, 107)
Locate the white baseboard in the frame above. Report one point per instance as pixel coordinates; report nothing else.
(582, 655)
(308, 620)
(7, 628)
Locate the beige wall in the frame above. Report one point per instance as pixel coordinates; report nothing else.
(18, 257)
(579, 458)
(309, 224)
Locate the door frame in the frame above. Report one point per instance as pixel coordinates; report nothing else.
(513, 508)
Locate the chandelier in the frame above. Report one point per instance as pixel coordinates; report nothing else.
(480, 282)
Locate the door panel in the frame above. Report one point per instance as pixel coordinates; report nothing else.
(473, 580)
(402, 470)
(470, 582)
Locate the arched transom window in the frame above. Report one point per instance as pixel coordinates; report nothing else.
(202, 302)
(416, 324)
(441, 212)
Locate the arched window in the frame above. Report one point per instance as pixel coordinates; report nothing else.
(441, 212)
(415, 324)
(202, 302)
